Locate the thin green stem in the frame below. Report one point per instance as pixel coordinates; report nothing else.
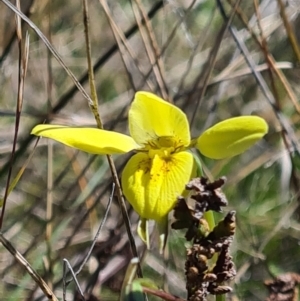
(209, 215)
(220, 297)
(93, 103)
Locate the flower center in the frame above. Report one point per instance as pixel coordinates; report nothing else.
(165, 142)
(164, 152)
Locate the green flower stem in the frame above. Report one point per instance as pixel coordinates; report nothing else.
(209, 216)
(220, 297)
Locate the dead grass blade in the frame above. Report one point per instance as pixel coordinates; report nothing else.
(23, 64)
(49, 46)
(25, 264)
(94, 108)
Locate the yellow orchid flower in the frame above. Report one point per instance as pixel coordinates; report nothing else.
(159, 134)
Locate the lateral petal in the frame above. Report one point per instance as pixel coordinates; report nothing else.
(232, 136)
(163, 229)
(152, 185)
(90, 140)
(143, 231)
(150, 118)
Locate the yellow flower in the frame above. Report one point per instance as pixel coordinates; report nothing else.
(162, 165)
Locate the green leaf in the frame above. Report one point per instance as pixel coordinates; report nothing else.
(134, 292)
(146, 282)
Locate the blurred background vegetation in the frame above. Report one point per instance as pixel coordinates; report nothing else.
(183, 50)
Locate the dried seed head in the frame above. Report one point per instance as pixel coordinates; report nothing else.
(283, 287)
(205, 276)
(208, 196)
(192, 273)
(224, 228)
(210, 277)
(219, 290)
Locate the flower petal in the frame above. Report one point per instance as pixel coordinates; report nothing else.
(150, 117)
(89, 140)
(232, 136)
(163, 229)
(151, 185)
(143, 231)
